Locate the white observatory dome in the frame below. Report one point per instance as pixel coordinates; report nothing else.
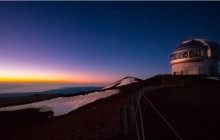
(197, 56)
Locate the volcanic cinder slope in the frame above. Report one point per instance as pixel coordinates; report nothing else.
(192, 110)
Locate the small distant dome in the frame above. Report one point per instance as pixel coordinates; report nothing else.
(196, 56)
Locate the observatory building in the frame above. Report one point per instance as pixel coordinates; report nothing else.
(194, 57)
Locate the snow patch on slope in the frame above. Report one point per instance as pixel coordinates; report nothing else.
(124, 81)
(63, 105)
(213, 78)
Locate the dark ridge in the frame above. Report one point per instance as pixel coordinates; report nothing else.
(10, 101)
(191, 109)
(114, 85)
(66, 90)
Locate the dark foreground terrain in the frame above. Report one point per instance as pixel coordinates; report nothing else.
(192, 110)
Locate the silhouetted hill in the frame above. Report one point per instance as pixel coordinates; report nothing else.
(123, 82)
(191, 109)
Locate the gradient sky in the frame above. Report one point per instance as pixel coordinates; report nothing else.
(93, 42)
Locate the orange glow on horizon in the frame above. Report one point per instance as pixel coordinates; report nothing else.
(34, 80)
(41, 80)
(14, 73)
(29, 75)
(81, 80)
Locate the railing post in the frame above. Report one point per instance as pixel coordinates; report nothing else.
(124, 119)
(131, 110)
(131, 115)
(132, 100)
(136, 98)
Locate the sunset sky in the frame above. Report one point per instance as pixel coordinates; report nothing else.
(97, 42)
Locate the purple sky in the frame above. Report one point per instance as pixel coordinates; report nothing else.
(98, 41)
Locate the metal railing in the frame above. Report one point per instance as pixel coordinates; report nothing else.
(138, 111)
(141, 93)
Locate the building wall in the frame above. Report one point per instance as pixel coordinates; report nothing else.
(195, 68)
(197, 56)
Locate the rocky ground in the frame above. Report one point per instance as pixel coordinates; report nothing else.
(192, 110)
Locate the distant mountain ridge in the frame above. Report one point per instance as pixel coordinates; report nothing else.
(65, 91)
(125, 81)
